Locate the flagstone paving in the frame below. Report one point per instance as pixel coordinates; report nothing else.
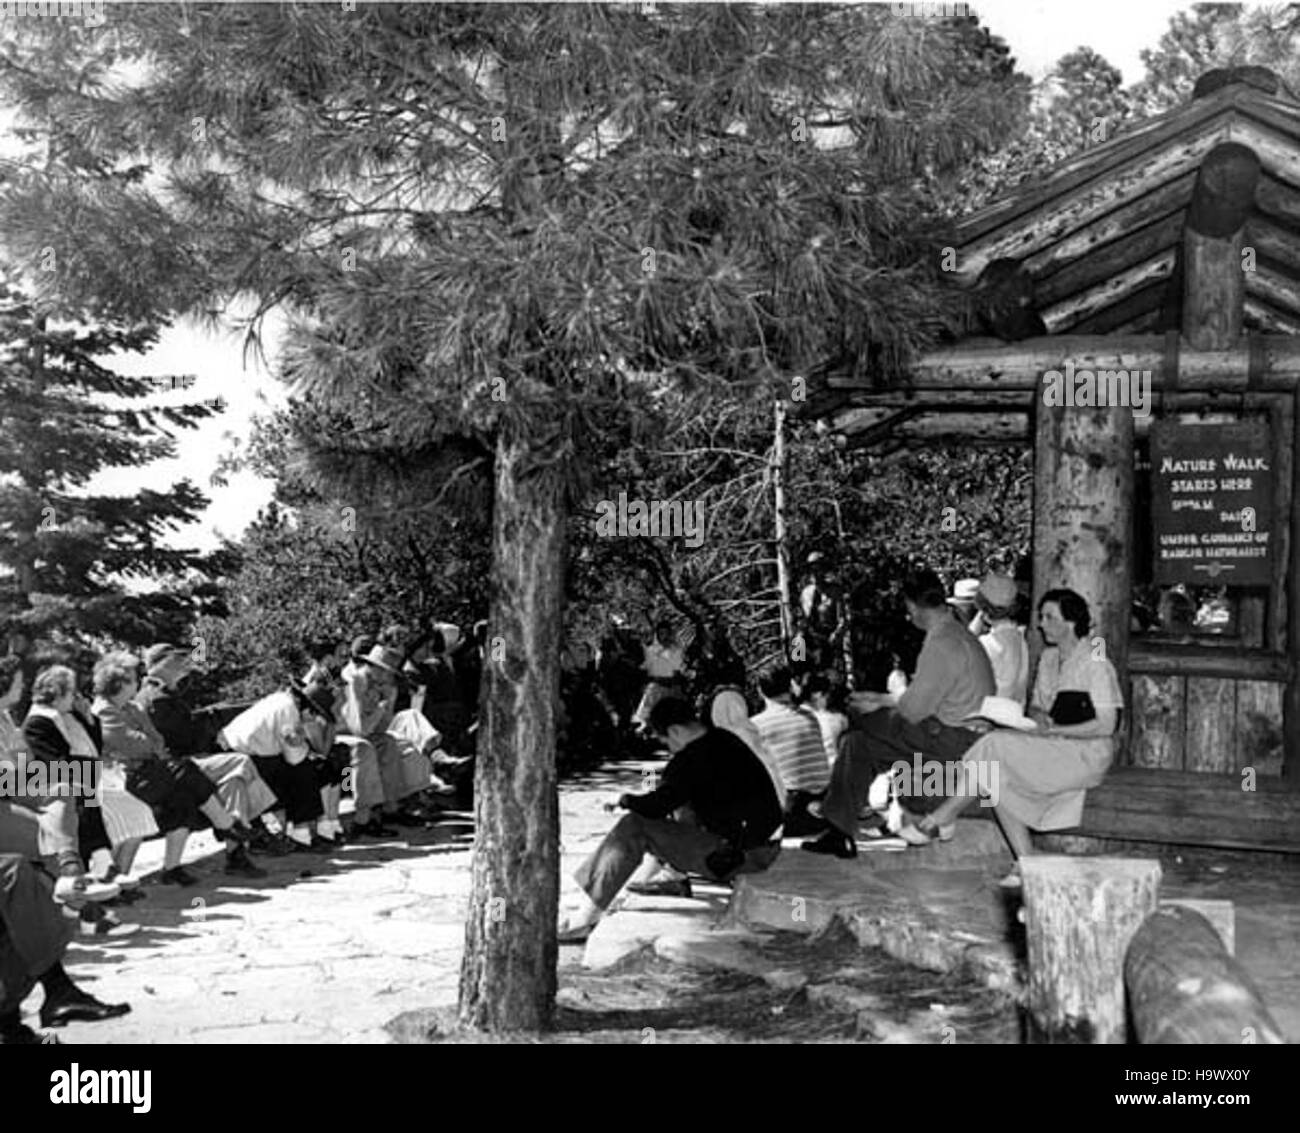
(364, 946)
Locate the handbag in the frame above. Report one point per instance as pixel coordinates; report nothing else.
(1072, 707)
(151, 781)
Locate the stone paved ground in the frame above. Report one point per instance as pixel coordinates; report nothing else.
(365, 947)
(372, 932)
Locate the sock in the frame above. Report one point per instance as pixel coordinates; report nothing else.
(328, 827)
(56, 981)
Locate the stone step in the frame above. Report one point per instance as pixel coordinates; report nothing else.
(937, 907)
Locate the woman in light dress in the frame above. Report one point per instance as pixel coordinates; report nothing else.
(1042, 776)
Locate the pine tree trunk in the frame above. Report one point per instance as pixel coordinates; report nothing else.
(507, 980)
(779, 534)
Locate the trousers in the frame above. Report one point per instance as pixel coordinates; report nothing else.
(681, 845)
(871, 745)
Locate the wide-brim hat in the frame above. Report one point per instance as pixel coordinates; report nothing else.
(963, 593)
(163, 656)
(382, 657)
(999, 591)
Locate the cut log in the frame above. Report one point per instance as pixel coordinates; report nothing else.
(1214, 285)
(990, 364)
(1183, 987)
(1080, 914)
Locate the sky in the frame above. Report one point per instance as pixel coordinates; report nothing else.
(1037, 32)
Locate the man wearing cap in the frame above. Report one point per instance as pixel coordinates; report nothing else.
(963, 599)
(286, 733)
(240, 788)
(399, 766)
(930, 719)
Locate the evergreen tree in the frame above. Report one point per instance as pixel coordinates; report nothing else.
(490, 221)
(75, 563)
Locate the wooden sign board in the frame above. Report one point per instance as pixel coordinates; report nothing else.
(1212, 503)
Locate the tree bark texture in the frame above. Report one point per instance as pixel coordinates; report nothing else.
(1080, 914)
(508, 978)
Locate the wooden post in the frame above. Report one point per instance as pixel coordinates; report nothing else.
(1184, 987)
(1080, 914)
(1291, 702)
(1083, 520)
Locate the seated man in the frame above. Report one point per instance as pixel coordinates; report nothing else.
(241, 790)
(793, 739)
(280, 732)
(390, 750)
(731, 798)
(33, 937)
(930, 719)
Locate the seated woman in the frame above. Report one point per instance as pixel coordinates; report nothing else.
(40, 827)
(1042, 776)
(174, 789)
(61, 732)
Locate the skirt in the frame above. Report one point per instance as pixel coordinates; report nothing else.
(125, 816)
(174, 789)
(1040, 780)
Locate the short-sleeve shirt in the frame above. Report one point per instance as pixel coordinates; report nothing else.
(794, 739)
(953, 676)
(1080, 672)
(272, 726)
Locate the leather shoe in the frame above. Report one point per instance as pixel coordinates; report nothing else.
(239, 864)
(668, 887)
(832, 842)
(23, 1035)
(177, 875)
(77, 1006)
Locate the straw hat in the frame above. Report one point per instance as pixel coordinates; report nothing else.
(963, 593)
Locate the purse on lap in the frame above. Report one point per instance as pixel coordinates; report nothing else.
(1072, 707)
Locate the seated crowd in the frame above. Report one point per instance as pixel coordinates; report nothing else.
(83, 783)
(819, 760)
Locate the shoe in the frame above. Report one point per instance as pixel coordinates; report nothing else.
(131, 896)
(78, 890)
(115, 876)
(96, 922)
(441, 788)
(77, 1006)
(272, 845)
(833, 842)
(178, 875)
(668, 887)
(574, 933)
(23, 1035)
(238, 834)
(239, 864)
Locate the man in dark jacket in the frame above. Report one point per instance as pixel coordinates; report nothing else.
(730, 796)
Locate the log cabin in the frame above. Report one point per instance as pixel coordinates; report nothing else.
(1170, 251)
